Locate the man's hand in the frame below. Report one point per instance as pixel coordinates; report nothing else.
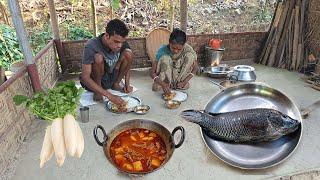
(181, 84)
(117, 100)
(128, 89)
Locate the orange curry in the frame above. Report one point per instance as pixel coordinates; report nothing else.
(138, 150)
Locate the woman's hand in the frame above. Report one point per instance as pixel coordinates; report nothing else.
(181, 84)
(166, 88)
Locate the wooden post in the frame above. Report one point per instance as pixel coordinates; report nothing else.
(295, 38)
(112, 11)
(94, 18)
(56, 35)
(171, 14)
(24, 43)
(2, 75)
(183, 15)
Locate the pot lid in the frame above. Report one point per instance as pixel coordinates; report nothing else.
(244, 68)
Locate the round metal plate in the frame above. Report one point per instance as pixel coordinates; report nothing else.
(254, 155)
(180, 96)
(134, 102)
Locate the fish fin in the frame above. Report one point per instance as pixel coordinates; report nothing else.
(213, 114)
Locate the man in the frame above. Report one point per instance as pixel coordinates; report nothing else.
(176, 64)
(106, 61)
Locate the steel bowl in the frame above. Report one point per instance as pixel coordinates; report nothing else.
(172, 104)
(244, 73)
(141, 109)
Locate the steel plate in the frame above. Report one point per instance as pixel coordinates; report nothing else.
(254, 155)
(136, 101)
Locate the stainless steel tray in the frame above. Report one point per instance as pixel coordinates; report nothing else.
(258, 155)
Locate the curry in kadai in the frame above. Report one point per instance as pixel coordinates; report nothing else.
(138, 150)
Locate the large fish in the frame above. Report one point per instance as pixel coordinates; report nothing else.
(250, 125)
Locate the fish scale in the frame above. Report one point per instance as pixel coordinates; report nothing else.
(260, 124)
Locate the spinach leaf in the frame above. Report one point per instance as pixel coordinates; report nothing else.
(56, 102)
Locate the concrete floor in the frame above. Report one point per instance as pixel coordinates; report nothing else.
(192, 160)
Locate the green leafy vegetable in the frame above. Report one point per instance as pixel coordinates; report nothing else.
(9, 46)
(57, 102)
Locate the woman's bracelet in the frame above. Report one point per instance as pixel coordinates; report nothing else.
(155, 78)
(191, 75)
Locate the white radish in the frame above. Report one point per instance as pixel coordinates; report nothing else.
(70, 134)
(47, 147)
(80, 141)
(58, 140)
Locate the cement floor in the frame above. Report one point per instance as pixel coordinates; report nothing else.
(192, 160)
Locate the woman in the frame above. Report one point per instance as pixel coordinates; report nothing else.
(176, 64)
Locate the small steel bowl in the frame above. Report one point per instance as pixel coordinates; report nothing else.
(172, 104)
(141, 109)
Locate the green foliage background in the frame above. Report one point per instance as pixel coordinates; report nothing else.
(9, 47)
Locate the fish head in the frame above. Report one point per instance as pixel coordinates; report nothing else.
(289, 123)
(192, 115)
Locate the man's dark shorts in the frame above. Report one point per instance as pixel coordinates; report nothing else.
(107, 80)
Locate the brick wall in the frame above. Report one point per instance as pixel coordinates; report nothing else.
(238, 46)
(314, 25)
(16, 120)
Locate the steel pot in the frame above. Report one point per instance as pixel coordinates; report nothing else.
(244, 73)
(163, 132)
(213, 56)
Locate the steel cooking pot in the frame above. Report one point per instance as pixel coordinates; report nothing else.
(163, 132)
(244, 73)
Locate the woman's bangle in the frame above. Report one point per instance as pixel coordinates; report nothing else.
(155, 78)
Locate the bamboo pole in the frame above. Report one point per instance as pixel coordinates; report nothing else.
(184, 14)
(112, 11)
(24, 44)
(94, 17)
(56, 35)
(302, 31)
(280, 27)
(2, 75)
(268, 45)
(284, 34)
(291, 24)
(295, 39)
(263, 53)
(172, 7)
(299, 52)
